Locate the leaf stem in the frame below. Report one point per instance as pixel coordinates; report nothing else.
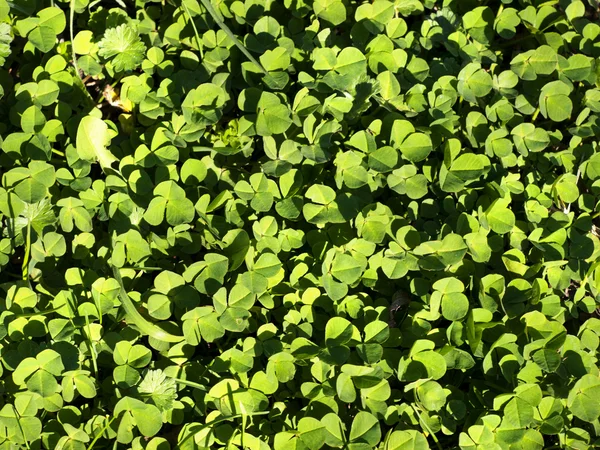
(99, 435)
(244, 423)
(91, 344)
(228, 32)
(191, 19)
(71, 20)
(147, 269)
(134, 316)
(38, 313)
(217, 421)
(25, 268)
(433, 436)
(18, 417)
(189, 383)
(568, 208)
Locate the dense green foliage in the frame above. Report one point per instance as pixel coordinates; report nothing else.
(299, 224)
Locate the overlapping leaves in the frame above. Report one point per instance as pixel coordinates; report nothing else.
(308, 225)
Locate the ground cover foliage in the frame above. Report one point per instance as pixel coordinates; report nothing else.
(299, 224)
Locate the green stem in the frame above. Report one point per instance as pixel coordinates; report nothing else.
(99, 435)
(189, 383)
(92, 348)
(191, 19)
(39, 313)
(14, 275)
(25, 269)
(231, 438)
(554, 22)
(147, 269)
(535, 114)
(225, 28)
(209, 227)
(433, 436)
(217, 421)
(134, 316)
(18, 417)
(244, 424)
(71, 20)
(497, 387)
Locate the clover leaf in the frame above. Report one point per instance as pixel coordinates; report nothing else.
(123, 47)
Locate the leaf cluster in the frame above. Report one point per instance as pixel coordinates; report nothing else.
(253, 224)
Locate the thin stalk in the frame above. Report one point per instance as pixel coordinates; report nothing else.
(71, 20)
(14, 275)
(231, 438)
(91, 344)
(25, 268)
(217, 18)
(18, 417)
(497, 387)
(209, 227)
(549, 3)
(244, 423)
(99, 435)
(217, 421)
(386, 441)
(189, 383)
(551, 24)
(568, 208)
(134, 317)
(58, 152)
(40, 313)
(74, 53)
(535, 114)
(191, 19)
(147, 269)
(98, 308)
(433, 436)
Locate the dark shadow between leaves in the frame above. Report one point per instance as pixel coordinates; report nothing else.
(574, 364)
(335, 355)
(415, 370)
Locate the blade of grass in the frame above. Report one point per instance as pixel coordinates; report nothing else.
(134, 316)
(18, 417)
(191, 19)
(37, 313)
(189, 383)
(217, 421)
(88, 332)
(74, 53)
(244, 423)
(99, 435)
(71, 20)
(217, 18)
(432, 434)
(25, 267)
